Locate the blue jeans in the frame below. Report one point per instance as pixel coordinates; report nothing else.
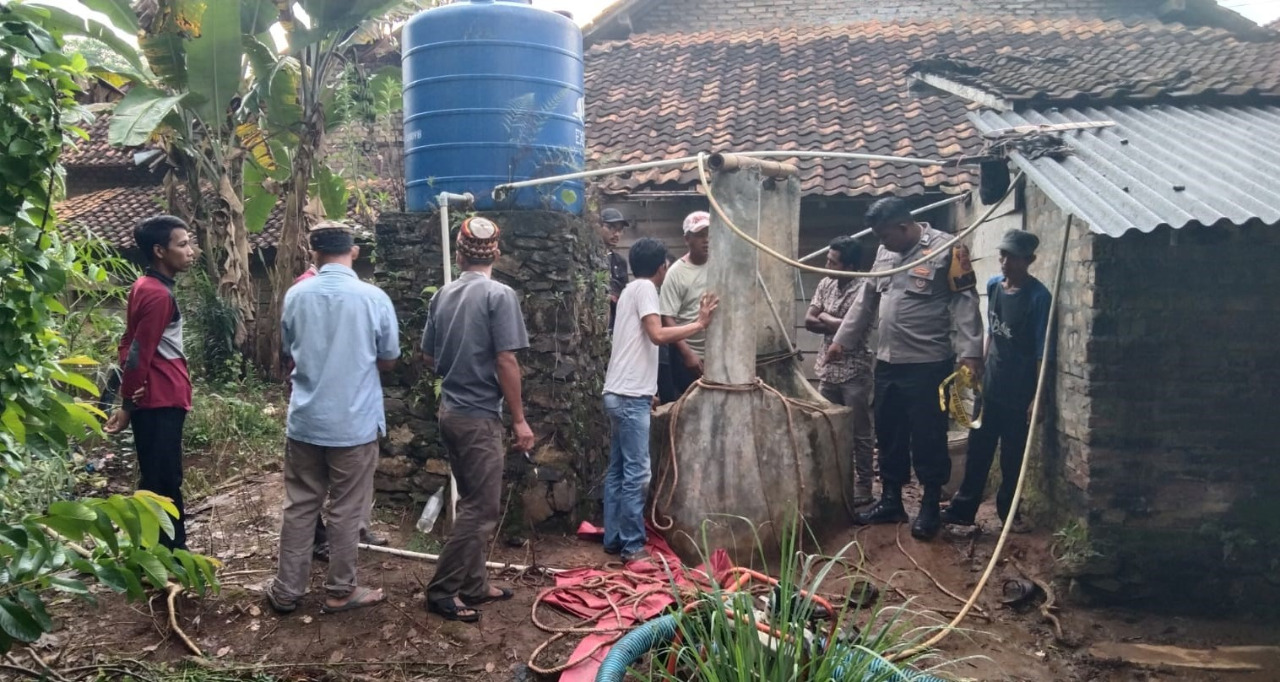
(626, 483)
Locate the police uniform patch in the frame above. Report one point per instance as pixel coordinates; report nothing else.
(961, 275)
(920, 283)
(923, 271)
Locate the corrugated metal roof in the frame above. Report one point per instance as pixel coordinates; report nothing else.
(1159, 165)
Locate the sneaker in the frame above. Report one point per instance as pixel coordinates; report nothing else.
(320, 552)
(639, 555)
(369, 537)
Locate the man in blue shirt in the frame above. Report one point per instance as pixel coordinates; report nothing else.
(340, 333)
(1018, 319)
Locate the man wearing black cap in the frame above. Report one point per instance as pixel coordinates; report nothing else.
(917, 309)
(340, 333)
(610, 229)
(1017, 321)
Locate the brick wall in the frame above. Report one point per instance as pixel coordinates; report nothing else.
(684, 15)
(1160, 446)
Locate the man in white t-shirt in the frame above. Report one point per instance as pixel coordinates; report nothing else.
(629, 388)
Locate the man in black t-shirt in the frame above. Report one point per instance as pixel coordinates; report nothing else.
(1018, 319)
(611, 225)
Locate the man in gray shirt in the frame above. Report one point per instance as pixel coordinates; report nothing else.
(917, 309)
(474, 327)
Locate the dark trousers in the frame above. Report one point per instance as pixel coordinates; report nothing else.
(1003, 425)
(157, 437)
(666, 387)
(910, 427)
(681, 377)
(476, 448)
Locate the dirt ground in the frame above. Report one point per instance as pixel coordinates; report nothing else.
(398, 640)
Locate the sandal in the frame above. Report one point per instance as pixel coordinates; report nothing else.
(280, 606)
(489, 598)
(448, 609)
(358, 599)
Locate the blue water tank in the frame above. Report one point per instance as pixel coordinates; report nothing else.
(492, 94)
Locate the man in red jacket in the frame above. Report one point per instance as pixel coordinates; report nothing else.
(155, 383)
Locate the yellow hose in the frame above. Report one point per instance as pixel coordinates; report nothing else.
(1035, 406)
(1022, 471)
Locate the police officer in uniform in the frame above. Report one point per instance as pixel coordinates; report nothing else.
(917, 310)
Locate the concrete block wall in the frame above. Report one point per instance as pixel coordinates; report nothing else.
(1184, 472)
(1160, 447)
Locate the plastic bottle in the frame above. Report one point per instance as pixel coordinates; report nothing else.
(431, 511)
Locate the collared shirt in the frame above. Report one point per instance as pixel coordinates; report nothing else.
(471, 320)
(829, 298)
(917, 308)
(336, 328)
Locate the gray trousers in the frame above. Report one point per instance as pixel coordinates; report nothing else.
(312, 472)
(856, 395)
(475, 447)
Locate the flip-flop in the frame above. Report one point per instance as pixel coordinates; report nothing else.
(449, 610)
(279, 605)
(357, 600)
(489, 599)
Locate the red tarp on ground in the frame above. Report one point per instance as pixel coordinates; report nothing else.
(581, 592)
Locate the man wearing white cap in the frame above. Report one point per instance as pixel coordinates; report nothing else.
(682, 292)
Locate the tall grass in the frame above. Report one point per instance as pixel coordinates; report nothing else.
(725, 640)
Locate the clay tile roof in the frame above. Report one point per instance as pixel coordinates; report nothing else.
(847, 88)
(111, 214)
(1119, 64)
(95, 152)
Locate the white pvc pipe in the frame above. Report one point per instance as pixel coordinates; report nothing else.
(680, 161)
(595, 173)
(446, 254)
(782, 154)
(923, 209)
(436, 558)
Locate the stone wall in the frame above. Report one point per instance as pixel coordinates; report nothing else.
(555, 263)
(684, 15)
(1159, 459)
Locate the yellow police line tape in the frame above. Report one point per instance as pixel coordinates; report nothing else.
(960, 381)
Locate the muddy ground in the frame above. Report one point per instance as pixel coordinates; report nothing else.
(238, 524)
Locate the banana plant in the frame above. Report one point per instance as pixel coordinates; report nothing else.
(296, 92)
(186, 82)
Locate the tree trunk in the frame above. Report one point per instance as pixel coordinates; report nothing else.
(235, 286)
(291, 252)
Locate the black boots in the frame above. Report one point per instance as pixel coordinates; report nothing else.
(929, 520)
(887, 510)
